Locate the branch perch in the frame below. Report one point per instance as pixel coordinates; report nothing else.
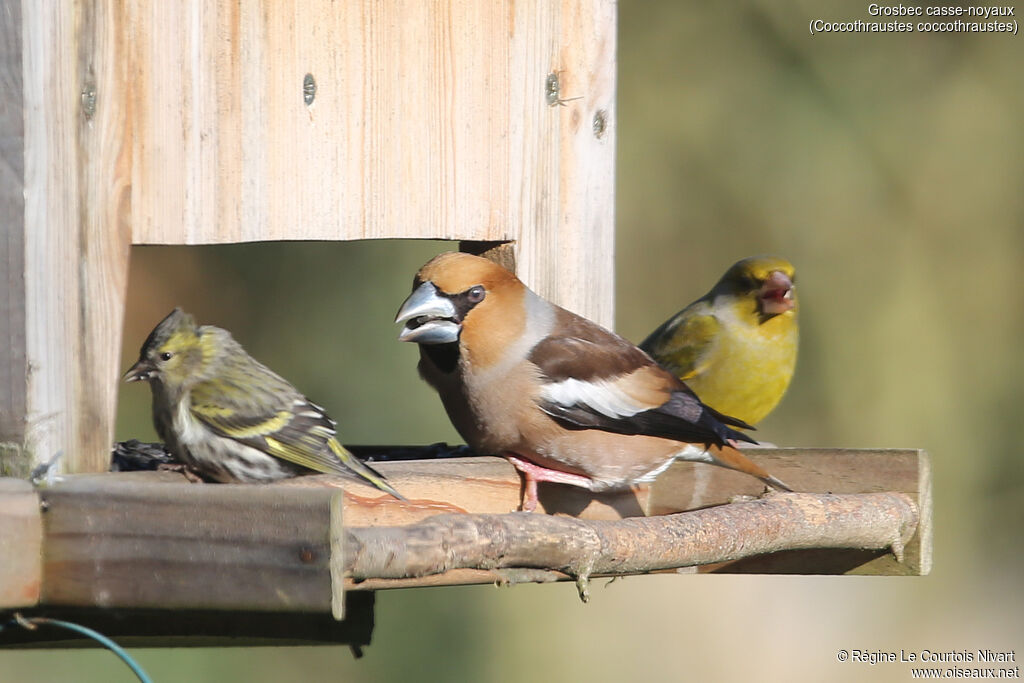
(778, 521)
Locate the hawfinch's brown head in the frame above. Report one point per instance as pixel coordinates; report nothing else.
(469, 300)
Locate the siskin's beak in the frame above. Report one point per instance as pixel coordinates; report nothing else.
(777, 295)
(141, 371)
(429, 317)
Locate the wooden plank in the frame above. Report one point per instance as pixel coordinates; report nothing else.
(103, 137)
(428, 120)
(142, 543)
(407, 134)
(66, 242)
(267, 547)
(566, 244)
(21, 544)
(477, 484)
(486, 484)
(13, 359)
(690, 486)
(50, 226)
(116, 543)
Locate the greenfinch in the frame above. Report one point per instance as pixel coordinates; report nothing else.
(736, 345)
(228, 417)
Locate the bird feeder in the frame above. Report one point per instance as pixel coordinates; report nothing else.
(487, 122)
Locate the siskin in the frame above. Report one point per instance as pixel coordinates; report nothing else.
(228, 417)
(736, 345)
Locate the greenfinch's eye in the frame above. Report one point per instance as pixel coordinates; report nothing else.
(476, 294)
(166, 355)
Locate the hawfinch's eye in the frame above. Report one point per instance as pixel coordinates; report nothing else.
(166, 355)
(476, 294)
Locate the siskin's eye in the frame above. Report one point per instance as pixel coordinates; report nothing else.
(166, 355)
(476, 294)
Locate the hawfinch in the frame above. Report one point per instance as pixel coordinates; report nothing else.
(562, 398)
(736, 345)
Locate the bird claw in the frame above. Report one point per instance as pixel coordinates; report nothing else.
(184, 469)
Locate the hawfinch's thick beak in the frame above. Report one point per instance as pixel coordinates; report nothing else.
(429, 317)
(139, 372)
(776, 294)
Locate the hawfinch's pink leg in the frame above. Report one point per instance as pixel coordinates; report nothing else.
(533, 473)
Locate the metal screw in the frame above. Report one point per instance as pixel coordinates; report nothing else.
(552, 89)
(89, 101)
(600, 124)
(308, 89)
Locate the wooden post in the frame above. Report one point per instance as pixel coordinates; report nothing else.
(13, 361)
(203, 122)
(566, 246)
(64, 255)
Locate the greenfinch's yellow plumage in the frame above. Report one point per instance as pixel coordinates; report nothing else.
(229, 417)
(736, 345)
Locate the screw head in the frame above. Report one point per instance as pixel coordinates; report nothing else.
(600, 123)
(88, 101)
(552, 89)
(308, 89)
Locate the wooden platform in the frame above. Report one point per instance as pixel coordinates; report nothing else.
(135, 542)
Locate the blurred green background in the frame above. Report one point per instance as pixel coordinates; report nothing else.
(888, 168)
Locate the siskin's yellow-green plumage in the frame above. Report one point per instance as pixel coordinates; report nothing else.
(229, 417)
(736, 346)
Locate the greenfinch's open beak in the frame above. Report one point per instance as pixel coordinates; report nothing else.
(429, 317)
(142, 370)
(777, 295)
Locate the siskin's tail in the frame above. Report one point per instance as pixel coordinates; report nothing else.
(359, 467)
